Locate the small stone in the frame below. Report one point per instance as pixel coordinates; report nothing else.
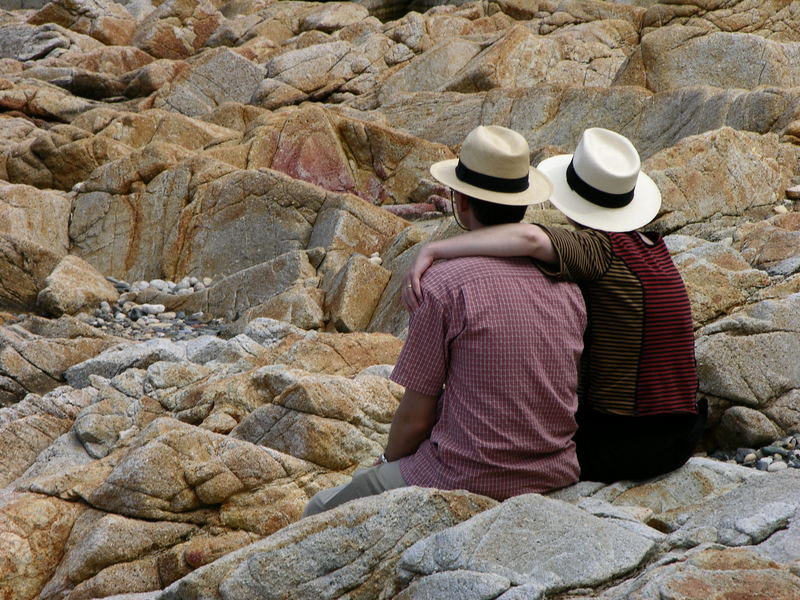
(152, 309)
(127, 297)
(185, 292)
(763, 463)
(193, 281)
(166, 316)
(199, 287)
(777, 465)
(105, 307)
(794, 463)
(207, 281)
(793, 193)
(773, 449)
(135, 313)
(375, 260)
(745, 455)
(183, 284)
(780, 209)
(159, 284)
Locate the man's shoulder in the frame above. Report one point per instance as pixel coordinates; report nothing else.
(457, 272)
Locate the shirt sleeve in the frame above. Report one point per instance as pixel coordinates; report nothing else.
(422, 364)
(583, 256)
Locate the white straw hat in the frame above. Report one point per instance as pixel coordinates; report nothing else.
(601, 186)
(494, 165)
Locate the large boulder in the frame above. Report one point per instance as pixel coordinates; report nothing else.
(106, 21)
(39, 216)
(24, 265)
(177, 28)
(352, 550)
(35, 354)
(74, 286)
(718, 59)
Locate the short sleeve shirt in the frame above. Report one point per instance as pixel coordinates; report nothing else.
(639, 356)
(499, 343)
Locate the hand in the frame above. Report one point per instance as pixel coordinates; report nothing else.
(412, 291)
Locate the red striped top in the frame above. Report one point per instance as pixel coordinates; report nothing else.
(639, 347)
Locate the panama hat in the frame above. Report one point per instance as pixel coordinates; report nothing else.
(494, 165)
(601, 186)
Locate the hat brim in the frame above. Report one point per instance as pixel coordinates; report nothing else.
(539, 186)
(639, 212)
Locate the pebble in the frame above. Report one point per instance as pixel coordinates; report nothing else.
(777, 465)
(777, 456)
(127, 318)
(793, 192)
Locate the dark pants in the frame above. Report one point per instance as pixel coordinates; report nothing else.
(612, 447)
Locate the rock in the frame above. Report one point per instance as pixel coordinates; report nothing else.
(107, 22)
(74, 286)
(334, 422)
(747, 515)
(117, 360)
(33, 531)
(299, 305)
(474, 546)
(672, 498)
(177, 28)
(712, 573)
(41, 217)
(717, 59)
(721, 176)
(60, 157)
(718, 279)
(370, 536)
(24, 266)
(198, 469)
(767, 244)
(30, 426)
(333, 16)
(743, 426)
(35, 353)
(137, 130)
(356, 291)
(99, 427)
(209, 81)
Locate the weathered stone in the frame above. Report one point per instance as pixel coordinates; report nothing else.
(137, 130)
(333, 16)
(600, 548)
(743, 427)
(116, 360)
(34, 356)
(712, 574)
(106, 21)
(717, 277)
(100, 426)
(717, 58)
(33, 531)
(60, 157)
(217, 76)
(768, 245)
(41, 217)
(74, 286)
(334, 422)
(356, 291)
(24, 265)
(355, 549)
(30, 426)
(179, 471)
(177, 28)
(746, 515)
(301, 306)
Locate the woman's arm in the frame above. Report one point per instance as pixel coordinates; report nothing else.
(514, 239)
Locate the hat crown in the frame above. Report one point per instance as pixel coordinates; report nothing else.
(496, 151)
(607, 161)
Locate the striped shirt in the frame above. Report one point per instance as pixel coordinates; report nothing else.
(499, 343)
(639, 356)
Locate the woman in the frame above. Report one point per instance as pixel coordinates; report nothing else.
(638, 414)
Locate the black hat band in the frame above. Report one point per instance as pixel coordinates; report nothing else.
(595, 196)
(490, 182)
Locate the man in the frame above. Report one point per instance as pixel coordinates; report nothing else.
(490, 365)
(639, 415)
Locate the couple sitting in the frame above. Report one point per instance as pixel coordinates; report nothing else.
(523, 375)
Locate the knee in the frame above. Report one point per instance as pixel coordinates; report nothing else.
(314, 506)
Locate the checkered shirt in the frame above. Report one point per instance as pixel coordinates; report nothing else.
(500, 344)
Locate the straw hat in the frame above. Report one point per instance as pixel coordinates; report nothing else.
(601, 185)
(494, 165)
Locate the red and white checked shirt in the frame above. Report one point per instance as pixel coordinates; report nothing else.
(501, 342)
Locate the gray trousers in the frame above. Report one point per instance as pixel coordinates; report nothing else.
(367, 482)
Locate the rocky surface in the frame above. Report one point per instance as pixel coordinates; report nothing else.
(206, 210)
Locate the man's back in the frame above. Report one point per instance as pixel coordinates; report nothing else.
(505, 342)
